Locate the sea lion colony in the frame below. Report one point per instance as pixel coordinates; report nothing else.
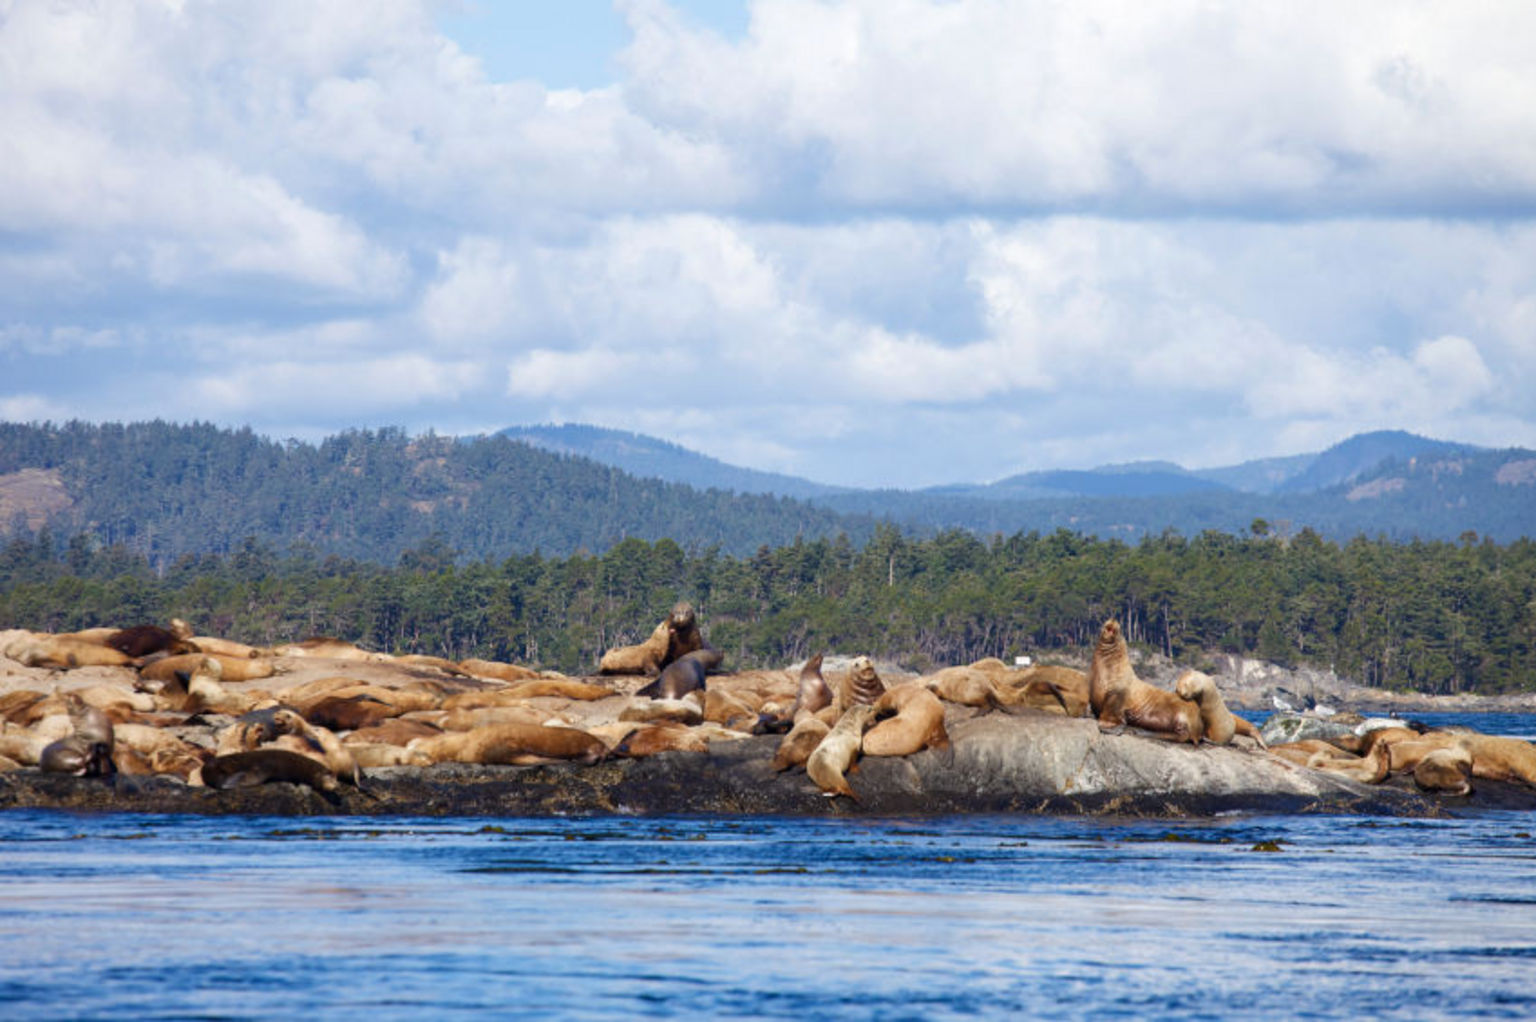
(218, 713)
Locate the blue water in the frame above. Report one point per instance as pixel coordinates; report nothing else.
(128, 916)
(619, 917)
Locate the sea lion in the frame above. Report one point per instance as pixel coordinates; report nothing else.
(394, 731)
(683, 635)
(1117, 697)
(436, 663)
(644, 658)
(1447, 770)
(143, 640)
(727, 709)
(708, 657)
(1500, 758)
(1217, 723)
(828, 765)
(963, 685)
(87, 752)
(914, 720)
(376, 754)
(651, 739)
(796, 747)
(676, 680)
(564, 688)
(264, 766)
(348, 713)
(320, 742)
(169, 669)
(496, 670)
(205, 691)
(215, 646)
(688, 710)
(813, 694)
(513, 743)
(324, 647)
(63, 653)
(862, 686)
(468, 720)
(1048, 688)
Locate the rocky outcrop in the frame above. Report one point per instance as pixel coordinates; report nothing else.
(995, 763)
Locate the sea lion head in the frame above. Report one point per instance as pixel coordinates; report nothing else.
(682, 617)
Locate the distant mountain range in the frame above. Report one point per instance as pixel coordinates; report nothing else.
(170, 491)
(1390, 483)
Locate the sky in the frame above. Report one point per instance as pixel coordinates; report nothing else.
(869, 242)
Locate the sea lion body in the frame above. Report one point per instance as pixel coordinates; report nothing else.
(644, 658)
(144, 640)
(264, 766)
(683, 635)
(513, 743)
(828, 765)
(796, 747)
(1118, 697)
(676, 680)
(1218, 724)
(178, 669)
(497, 670)
(1447, 770)
(916, 723)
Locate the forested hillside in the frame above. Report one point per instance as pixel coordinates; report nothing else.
(167, 490)
(1439, 617)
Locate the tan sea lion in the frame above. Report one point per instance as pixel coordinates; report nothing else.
(264, 766)
(963, 685)
(1217, 723)
(513, 743)
(394, 731)
(1447, 770)
(796, 747)
(205, 691)
(727, 709)
(862, 686)
(60, 653)
(215, 646)
(484, 716)
(374, 754)
(1118, 697)
(1048, 688)
(324, 647)
(914, 720)
(1500, 758)
(564, 688)
(688, 710)
(813, 694)
(232, 669)
(644, 658)
(16, 706)
(651, 739)
(435, 663)
(496, 670)
(829, 764)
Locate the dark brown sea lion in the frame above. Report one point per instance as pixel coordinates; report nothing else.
(683, 635)
(264, 766)
(814, 694)
(88, 751)
(677, 680)
(862, 686)
(350, 713)
(144, 640)
(1118, 697)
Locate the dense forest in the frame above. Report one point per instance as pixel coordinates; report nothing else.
(166, 490)
(1433, 616)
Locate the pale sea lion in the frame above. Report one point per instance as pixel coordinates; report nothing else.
(829, 764)
(1218, 723)
(1447, 770)
(644, 658)
(497, 670)
(1118, 697)
(862, 686)
(62, 653)
(915, 722)
(513, 743)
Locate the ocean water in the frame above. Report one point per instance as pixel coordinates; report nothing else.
(130, 916)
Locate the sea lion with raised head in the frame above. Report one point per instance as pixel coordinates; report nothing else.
(1117, 697)
(683, 635)
(643, 658)
(862, 686)
(812, 695)
(828, 766)
(87, 752)
(1218, 723)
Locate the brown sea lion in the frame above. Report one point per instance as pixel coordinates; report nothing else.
(16, 706)
(829, 764)
(1218, 723)
(87, 752)
(728, 710)
(1118, 697)
(796, 747)
(644, 658)
(914, 720)
(348, 713)
(963, 685)
(143, 640)
(169, 669)
(683, 635)
(394, 731)
(513, 743)
(676, 680)
(862, 686)
(320, 742)
(265, 766)
(651, 739)
(1448, 771)
(812, 695)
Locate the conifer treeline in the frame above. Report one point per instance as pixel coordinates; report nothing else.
(1438, 617)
